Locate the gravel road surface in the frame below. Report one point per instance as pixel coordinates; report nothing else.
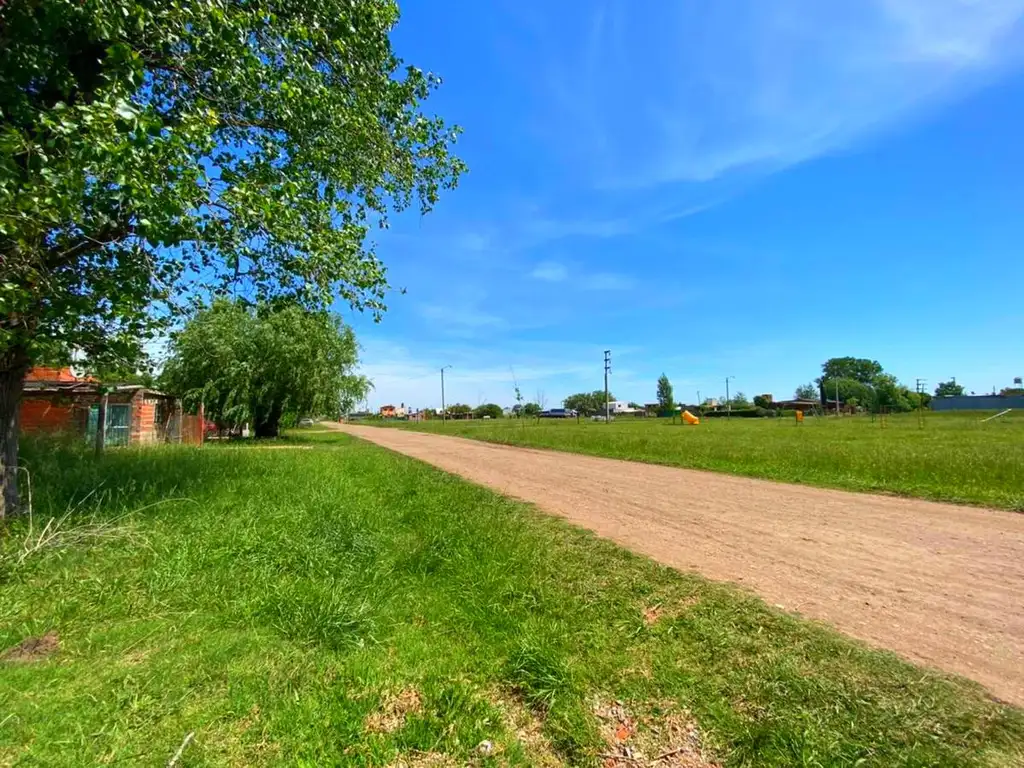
(940, 584)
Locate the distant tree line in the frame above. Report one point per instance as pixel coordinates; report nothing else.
(863, 383)
(588, 403)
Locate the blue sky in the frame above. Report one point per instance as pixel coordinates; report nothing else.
(738, 188)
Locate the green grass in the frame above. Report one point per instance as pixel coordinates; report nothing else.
(955, 457)
(282, 605)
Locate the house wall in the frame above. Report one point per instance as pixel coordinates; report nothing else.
(192, 427)
(159, 419)
(40, 414)
(976, 403)
(53, 412)
(143, 419)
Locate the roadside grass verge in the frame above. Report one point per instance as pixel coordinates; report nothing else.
(955, 457)
(345, 605)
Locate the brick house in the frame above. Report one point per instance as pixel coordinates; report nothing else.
(54, 400)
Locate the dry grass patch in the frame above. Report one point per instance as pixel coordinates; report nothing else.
(658, 736)
(654, 612)
(33, 649)
(424, 760)
(393, 712)
(527, 727)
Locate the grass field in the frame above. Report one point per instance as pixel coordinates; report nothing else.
(954, 457)
(320, 601)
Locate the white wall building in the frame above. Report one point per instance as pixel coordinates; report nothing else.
(621, 407)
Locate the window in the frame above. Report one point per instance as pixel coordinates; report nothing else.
(119, 423)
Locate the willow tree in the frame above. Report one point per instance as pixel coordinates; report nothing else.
(152, 150)
(256, 364)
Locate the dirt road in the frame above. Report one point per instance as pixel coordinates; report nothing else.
(938, 583)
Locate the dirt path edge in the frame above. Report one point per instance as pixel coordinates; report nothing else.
(939, 584)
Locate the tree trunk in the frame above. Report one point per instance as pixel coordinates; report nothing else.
(268, 423)
(13, 366)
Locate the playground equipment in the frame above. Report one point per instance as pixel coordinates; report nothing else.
(689, 418)
(998, 415)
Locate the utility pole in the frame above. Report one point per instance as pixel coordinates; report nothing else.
(607, 370)
(444, 411)
(922, 385)
(728, 400)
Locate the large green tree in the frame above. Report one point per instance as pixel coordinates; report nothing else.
(882, 392)
(949, 389)
(587, 402)
(254, 366)
(151, 147)
(856, 368)
(666, 400)
(493, 410)
(806, 392)
(739, 401)
(851, 391)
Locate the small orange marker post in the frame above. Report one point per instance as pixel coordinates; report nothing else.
(799, 417)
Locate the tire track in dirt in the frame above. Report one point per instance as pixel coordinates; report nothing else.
(940, 584)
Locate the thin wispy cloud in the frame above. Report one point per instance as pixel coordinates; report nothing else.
(694, 91)
(556, 272)
(608, 281)
(550, 272)
(463, 321)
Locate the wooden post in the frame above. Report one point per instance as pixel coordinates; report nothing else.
(101, 424)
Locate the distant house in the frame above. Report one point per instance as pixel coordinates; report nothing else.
(56, 401)
(391, 412)
(798, 405)
(623, 408)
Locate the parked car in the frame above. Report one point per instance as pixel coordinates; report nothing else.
(558, 413)
(306, 422)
